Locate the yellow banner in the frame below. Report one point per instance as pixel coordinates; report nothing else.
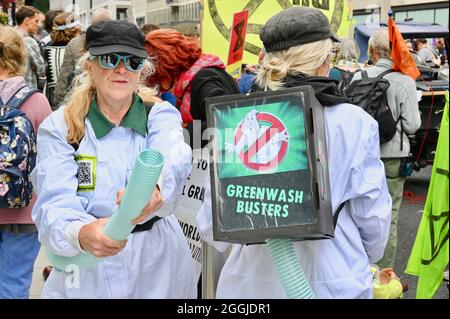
(218, 19)
(234, 69)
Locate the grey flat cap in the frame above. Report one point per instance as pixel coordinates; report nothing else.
(295, 26)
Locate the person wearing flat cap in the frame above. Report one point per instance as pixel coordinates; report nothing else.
(86, 154)
(298, 42)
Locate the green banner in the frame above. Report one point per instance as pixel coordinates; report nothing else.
(429, 256)
(261, 139)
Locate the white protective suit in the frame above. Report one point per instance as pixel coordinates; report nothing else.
(155, 263)
(335, 268)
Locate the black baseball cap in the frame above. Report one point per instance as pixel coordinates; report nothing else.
(113, 36)
(295, 26)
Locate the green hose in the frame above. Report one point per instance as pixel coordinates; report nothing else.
(137, 194)
(289, 270)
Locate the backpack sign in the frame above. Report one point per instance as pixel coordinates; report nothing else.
(17, 151)
(370, 95)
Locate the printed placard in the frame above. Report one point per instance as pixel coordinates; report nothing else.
(266, 177)
(191, 200)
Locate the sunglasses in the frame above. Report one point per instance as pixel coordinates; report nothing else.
(111, 61)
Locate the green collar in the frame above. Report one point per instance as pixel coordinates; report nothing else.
(136, 118)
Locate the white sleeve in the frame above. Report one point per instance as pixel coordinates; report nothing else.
(55, 182)
(370, 204)
(357, 176)
(165, 134)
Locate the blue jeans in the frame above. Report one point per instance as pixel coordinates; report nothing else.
(17, 255)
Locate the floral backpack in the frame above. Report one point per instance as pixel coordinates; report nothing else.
(17, 151)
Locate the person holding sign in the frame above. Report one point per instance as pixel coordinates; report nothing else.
(298, 43)
(87, 151)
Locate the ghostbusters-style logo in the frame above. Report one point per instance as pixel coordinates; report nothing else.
(261, 141)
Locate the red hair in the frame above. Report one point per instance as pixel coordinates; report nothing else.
(174, 53)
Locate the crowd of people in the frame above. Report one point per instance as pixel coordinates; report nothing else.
(95, 99)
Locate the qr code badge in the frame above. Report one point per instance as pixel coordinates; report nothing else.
(86, 172)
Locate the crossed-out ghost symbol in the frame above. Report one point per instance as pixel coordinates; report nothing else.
(252, 130)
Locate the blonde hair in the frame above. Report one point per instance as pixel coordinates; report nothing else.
(306, 58)
(147, 94)
(13, 52)
(79, 100)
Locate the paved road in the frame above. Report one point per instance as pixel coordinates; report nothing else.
(409, 219)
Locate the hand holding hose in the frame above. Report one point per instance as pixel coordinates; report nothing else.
(153, 205)
(134, 208)
(93, 240)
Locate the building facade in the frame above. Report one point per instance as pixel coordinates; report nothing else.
(373, 11)
(179, 14)
(170, 12)
(183, 15)
(120, 9)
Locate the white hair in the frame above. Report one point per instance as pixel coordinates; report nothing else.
(379, 43)
(348, 50)
(100, 14)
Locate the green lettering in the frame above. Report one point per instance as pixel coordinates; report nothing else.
(277, 211)
(285, 211)
(272, 194)
(264, 209)
(256, 208)
(240, 206)
(321, 4)
(269, 210)
(252, 192)
(260, 193)
(239, 191)
(299, 197)
(282, 196)
(246, 192)
(248, 207)
(291, 196)
(230, 190)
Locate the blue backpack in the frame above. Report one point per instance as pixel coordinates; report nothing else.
(17, 151)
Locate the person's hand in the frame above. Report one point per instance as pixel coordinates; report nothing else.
(252, 68)
(93, 240)
(436, 61)
(147, 95)
(386, 275)
(153, 205)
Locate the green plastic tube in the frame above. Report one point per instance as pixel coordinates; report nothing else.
(137, 194)
(289, 270)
